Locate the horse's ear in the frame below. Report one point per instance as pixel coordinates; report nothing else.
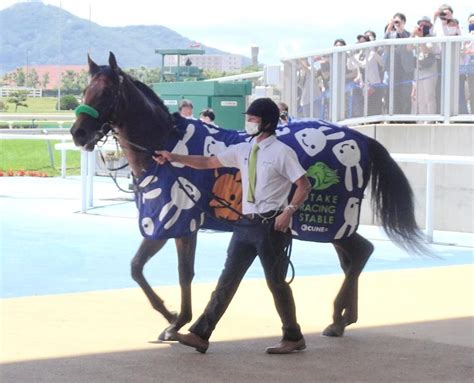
(113, 62)
(93, 67)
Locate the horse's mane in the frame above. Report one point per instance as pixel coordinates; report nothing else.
(147, 92)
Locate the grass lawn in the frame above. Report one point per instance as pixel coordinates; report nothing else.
(35, 105)
(33, 155)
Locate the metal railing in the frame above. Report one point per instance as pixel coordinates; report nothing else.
(412, 79)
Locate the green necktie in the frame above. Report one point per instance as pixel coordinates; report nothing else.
(252, 173)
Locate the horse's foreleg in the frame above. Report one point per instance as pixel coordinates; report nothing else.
(148, 248)
(186, 248)
(353, 253)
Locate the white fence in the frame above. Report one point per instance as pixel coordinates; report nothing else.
(88, 169)
(6, 91)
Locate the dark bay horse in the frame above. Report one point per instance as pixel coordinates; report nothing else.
(115, 102)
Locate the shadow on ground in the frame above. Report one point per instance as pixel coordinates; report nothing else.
(377, 354)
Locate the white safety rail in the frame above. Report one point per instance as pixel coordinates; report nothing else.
(38, 119)
(431, 160)
(42, 134)
(88, 169)
(318, 84)
(88, 160)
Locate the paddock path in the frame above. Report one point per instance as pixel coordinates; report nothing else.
(68, 316)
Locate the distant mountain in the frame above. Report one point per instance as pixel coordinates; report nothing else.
(45, 34)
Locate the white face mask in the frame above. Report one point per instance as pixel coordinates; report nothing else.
(251, 128)
(452, 31)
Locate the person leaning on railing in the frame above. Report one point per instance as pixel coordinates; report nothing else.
(426, 77)
(468, 64)
(369, 63)
(404, 65)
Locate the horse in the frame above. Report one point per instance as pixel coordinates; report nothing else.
(114, 102)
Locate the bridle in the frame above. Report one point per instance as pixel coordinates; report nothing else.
(105, 118)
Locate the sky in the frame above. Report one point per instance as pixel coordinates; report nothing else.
(279, 28)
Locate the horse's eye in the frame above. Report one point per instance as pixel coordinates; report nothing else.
(232, 197)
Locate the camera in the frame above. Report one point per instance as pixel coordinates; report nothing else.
(284, 115)
(442, 15)
(426, 30)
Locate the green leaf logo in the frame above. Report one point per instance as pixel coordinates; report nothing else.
(323, 176)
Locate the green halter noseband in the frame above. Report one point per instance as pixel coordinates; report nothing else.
(86, 109)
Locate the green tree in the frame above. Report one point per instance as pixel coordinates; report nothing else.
(82, 80)
(19, 77)
(8, 78)
(19, 99)
(45, 81)
(3, 106)
(146, 75)
(210, 73)
(252, 68)
(74, 82)
(69, 81)
(32, 79)
(69, 102)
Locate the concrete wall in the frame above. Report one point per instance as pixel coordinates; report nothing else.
(454, 184)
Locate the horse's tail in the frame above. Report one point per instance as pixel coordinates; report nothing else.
(393, 202)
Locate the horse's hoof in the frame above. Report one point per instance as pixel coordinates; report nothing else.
(169, 334)
(334, 330)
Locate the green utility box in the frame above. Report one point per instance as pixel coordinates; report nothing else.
(226, 99)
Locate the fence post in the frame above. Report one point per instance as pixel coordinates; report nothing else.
(447, 83)
(429, 201)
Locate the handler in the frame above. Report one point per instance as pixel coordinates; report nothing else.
(268, 168)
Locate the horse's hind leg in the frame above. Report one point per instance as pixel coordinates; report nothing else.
(353, 253)
(148, 248)
(186, 247)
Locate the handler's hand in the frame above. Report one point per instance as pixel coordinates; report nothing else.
(161, 156)
(282, 222)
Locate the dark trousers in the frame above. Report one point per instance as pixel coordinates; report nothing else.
(247, 242)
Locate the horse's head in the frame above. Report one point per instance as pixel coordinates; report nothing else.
(100, 102)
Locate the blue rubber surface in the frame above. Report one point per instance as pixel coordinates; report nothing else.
(48, 248)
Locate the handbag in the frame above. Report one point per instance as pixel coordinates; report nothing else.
(426, 60)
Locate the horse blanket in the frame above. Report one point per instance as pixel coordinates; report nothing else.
(336, 159)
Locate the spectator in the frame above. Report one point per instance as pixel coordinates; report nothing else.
(469, 64)
(425, 79)
(369, 63)
(440, 21)
(351, 73)
(441, 17)
(453, 27)
(304, 85)
(404, 65)
(208, 116)
(370, 35)
(339, 43)
(285, 117)
(186, 108)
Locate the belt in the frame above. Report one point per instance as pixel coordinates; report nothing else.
(262, 216)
